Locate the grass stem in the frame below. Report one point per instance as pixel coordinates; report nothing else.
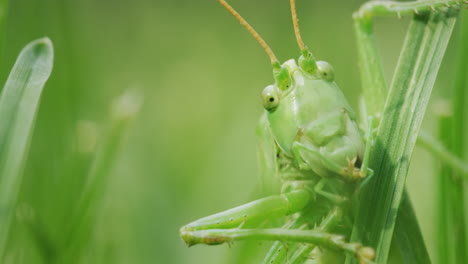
(451, 225)
(419, 62)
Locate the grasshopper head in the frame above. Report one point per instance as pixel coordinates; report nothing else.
(286, 81)
(300, 93)
(303, 99)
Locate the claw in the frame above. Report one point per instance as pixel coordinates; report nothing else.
(351, 171)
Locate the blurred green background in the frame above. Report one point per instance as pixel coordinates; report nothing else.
(191, 150)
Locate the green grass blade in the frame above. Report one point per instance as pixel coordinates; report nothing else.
(419, 62)
(372, 77)
(124, 110)
(442, 153)
(452, 244)
(408, 238)
(18, 106)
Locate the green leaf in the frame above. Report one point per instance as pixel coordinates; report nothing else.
(19, 102)
(406, 104)
(451, 239)
(408, 239)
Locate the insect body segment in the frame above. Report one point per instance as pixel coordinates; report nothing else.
(313, 123)
(310, 142)
(316, 145)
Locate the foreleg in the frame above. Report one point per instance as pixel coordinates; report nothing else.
(248, 215)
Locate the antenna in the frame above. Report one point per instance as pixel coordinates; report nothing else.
(296, 26)
(252, 31)
(307, 60)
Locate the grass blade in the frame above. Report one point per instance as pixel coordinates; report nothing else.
(452, 243)
(18, 106)
(436, 148)
(419, 62)
(408, 238)
(124, 110)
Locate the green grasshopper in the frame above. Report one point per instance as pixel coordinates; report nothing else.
(310, 140)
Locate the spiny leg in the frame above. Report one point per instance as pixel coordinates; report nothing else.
(206, 230)
(318, 238)
(248, 215)
(296, 253)
(298, 148)
(326, 225)
(335, 198)
(279, 251)
(320, 132)
(305, 154)
(267, 153)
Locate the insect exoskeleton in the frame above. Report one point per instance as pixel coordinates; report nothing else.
(308, 139)
(313, 123)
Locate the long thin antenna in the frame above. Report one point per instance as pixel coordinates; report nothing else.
(306, 61)
(296, 26)
(252, 31)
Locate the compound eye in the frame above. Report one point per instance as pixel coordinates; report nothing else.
(270, 97)
(326, 71)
